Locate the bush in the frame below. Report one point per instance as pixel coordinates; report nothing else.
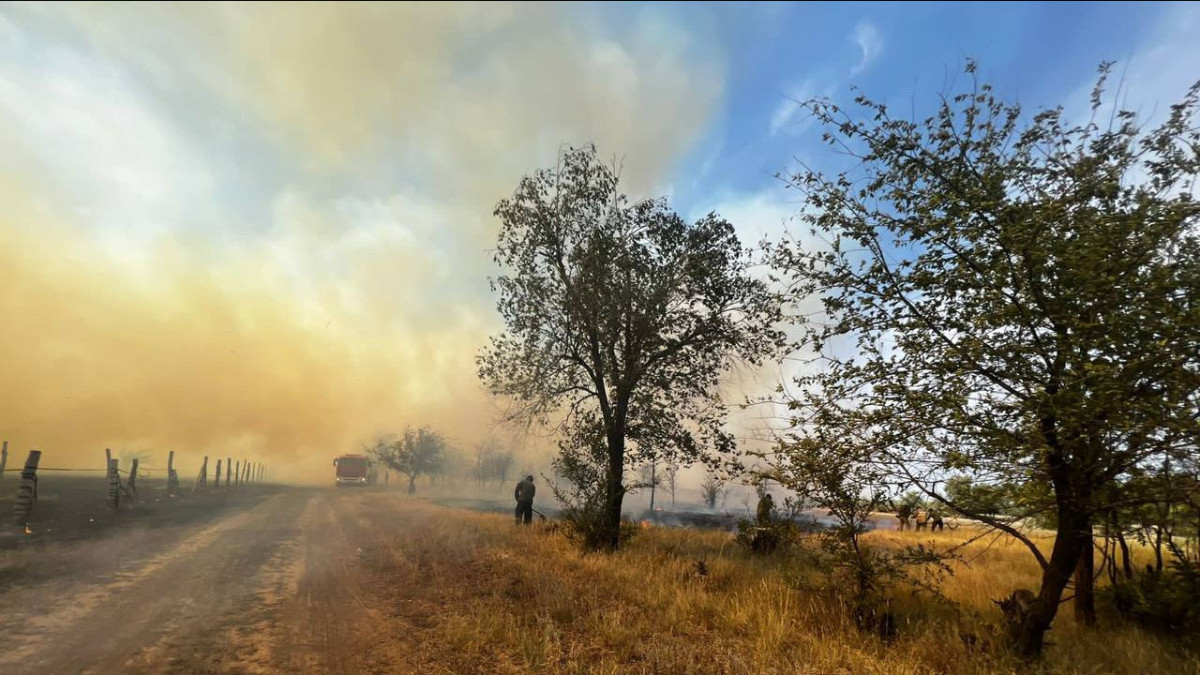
(1162, 600)
(765, 539)
(586, 525)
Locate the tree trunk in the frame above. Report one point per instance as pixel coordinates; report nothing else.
(653, 483)
(412, 484)
(1085, 582)
(1126, 562)
(1031, 633)
(615, 490)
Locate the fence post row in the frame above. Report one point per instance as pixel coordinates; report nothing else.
(114, 485)
(27, 492)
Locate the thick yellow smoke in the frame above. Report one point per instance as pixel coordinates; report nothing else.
(152, 301)
(206, 358)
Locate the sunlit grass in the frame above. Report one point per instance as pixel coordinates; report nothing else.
(478, 594)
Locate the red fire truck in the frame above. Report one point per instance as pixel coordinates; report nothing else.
(354, 470)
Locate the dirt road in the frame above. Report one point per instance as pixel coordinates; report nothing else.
(280, 586)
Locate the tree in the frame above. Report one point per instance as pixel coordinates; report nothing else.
(493, 463)
(649, 477)
(1009, 298)
(417, 452)
(712, 489)
(619, 319)
(977, 497)
(834, 471)
(671, 476)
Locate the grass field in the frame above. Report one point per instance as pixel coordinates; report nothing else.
(478, 594)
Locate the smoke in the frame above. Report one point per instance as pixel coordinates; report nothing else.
(263, 232)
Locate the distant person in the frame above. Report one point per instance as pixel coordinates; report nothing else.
(936, 522)
(766, 508)
(524, 496)
(922, 519)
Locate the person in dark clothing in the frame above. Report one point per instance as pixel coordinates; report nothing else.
(524, 496)
(766, 510)
(936, 522)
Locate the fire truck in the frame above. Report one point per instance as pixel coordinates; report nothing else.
(354, 470)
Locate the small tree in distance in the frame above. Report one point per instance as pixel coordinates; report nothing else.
(671, 476)
(712, 489)
(417, 452)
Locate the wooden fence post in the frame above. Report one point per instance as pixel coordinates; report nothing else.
(172, 477)
(202, 478)
(246, 470)
(27, 491)
(228, 471)
(217, 476)
(133, 469)
(114, 485)
(3, 458)
(237, 472)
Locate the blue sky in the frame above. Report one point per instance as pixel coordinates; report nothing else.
(1041, 54)
(288, 207)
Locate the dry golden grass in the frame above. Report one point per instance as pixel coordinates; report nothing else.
(471, 592)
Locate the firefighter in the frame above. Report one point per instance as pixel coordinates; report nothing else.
(524, 496)
(936, 522)
(766, 508)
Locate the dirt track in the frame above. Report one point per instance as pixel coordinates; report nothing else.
(276, 587)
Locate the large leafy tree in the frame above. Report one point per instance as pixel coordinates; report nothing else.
(1011, 298)
(620, 318)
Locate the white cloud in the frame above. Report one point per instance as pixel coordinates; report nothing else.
(787, 117)
(1157, 73)
(755, 215)
(768, 214)
(870, 44)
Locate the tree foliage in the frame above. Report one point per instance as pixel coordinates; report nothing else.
(493, 463)
(1007, 297)
(417, 452)
(619, 318)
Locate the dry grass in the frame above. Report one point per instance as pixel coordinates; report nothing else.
(470, 592)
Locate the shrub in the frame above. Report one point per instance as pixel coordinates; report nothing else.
(1162, 600)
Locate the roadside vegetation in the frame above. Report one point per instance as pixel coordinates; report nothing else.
(469, 592)
(992, 308)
